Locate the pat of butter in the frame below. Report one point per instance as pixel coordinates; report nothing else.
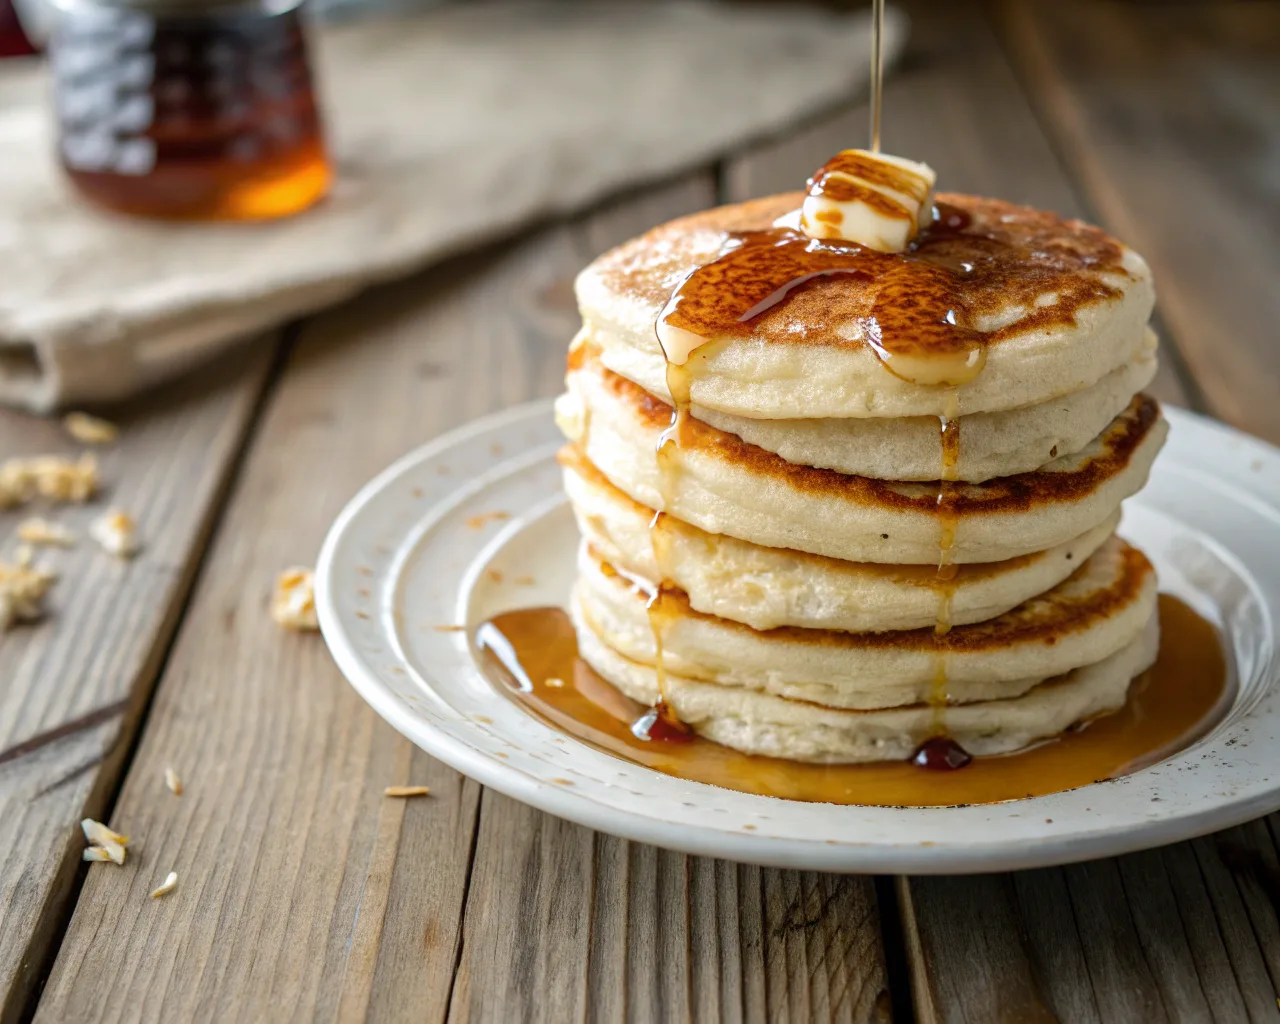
(871, 199)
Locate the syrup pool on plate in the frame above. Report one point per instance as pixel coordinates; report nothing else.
(531, 656)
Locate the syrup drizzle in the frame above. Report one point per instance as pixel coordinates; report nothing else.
(1179, 699)
(944, 580)
(919, 334)
(661, 721)
(917, 317)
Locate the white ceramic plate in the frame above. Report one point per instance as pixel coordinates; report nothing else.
(475, 524)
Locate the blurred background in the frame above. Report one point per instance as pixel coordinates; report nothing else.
(180, 174)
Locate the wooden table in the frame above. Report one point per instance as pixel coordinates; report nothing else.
(303, 894)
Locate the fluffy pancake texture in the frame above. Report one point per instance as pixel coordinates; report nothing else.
(716, 481)
(1059, 304)
(767, 587)
(992, 444)
(781, 562)
(761, 723)
(1098, 610)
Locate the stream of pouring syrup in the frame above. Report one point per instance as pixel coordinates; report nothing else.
(877, 69)
(531, 656)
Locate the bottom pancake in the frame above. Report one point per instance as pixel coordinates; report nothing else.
(760, 723)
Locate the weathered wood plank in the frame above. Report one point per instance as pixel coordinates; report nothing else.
(658, 936)
(1170, 119)
(1183, 933)
(72, 687)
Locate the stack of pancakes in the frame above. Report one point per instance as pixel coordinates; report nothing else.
(772, 571)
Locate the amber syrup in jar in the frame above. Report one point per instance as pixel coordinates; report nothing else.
(188, 110)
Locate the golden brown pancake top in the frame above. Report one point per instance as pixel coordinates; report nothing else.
(981, 257)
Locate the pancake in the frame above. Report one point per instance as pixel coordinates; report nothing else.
(1054, 305)
(1098, 610)
(760, 723)
(768, 587)
(992, 444)
(719, 483)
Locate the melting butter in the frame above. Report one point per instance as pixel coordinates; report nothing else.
(871, 199)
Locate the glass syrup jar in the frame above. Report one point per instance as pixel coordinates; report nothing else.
(188, 108)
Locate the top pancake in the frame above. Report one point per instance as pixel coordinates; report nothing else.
(1054, 305)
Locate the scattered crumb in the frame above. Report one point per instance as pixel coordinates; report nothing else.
(416, 492)
(46, 533)
(116, 533)
(99, 834)
(110, 844)
(294, 603)
(166, 887)
(449, 629)
(525, 581)
(494, 575)
(55, 477)
(555, 682)
(406, 791)
(495, 448)
(89, 429)
(173, 782)
(475, 522)
(23, 587)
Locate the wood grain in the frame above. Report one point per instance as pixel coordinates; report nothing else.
(565, 924)
(1169, 116)
(72, 686)
(1187, 932)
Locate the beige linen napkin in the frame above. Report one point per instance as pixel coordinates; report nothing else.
(448, 128)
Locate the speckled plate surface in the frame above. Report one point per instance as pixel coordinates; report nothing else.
(474, 524)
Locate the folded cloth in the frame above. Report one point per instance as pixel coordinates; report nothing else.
(447, 129)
